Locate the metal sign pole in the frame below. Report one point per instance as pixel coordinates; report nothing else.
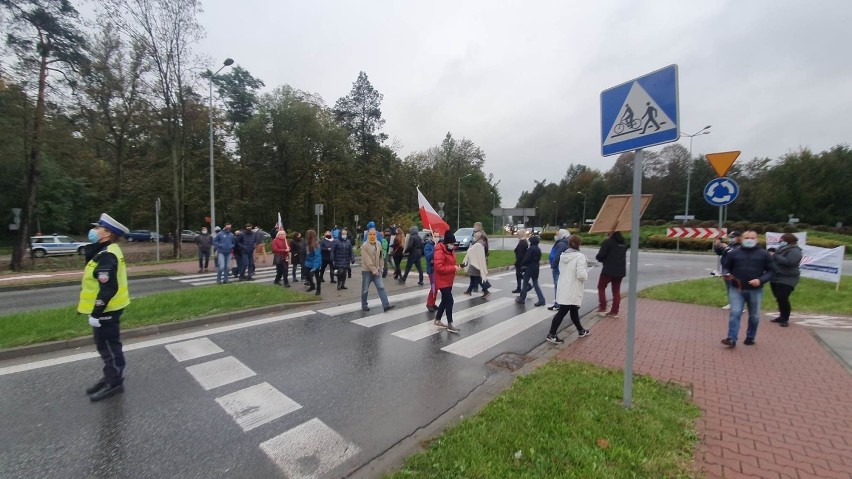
(157, 208)
(633, 276)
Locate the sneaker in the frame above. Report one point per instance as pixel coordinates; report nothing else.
(343, 287)
(519, 301)
(540, 303)
(452, 329)
(420, 283)
(749, 342)
(466, 293)
(584, 333)
(439, 324)
(601, 312)
(729, 342)
(516, 291)
(552, 338)
(310, 289)
(388, 308)
(610, 315)
(553, 307)
(776, 320)
(317, 293)
(726, 307)
(784, 324)
(365, 308)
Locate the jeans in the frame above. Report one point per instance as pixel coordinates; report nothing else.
(782, 294)
(368, 277)
(519, 276)
(203, 258)
(222, 270)
(447, 302)
(616, 293)
(738, 300)
(555, 285)
(413, 260)
(528, 276)
(247, 264)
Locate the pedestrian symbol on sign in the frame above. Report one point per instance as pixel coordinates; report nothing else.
(628, 126)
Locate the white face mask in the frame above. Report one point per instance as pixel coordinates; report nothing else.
(782, 244)
(749, 243)
(450, 247)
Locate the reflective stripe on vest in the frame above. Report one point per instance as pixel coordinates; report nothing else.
(91, 286)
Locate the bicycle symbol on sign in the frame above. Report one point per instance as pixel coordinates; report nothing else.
(629, 124)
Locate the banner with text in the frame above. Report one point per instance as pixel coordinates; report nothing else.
(773, 239)
(824, 264)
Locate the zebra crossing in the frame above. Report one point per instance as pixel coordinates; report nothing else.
(205, 279)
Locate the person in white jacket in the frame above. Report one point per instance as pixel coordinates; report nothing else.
(573, 272)
(477, 266)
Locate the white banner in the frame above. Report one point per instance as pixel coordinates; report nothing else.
(772, 239)
(824, 264)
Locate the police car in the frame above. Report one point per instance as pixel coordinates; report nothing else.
(41, 246)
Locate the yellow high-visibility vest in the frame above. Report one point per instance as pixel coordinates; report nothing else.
(91, 286)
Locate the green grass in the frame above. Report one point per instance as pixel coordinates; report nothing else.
(566, 420)
(810, 295)
(64, 323)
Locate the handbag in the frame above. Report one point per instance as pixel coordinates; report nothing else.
(276, 260)
(486, 284)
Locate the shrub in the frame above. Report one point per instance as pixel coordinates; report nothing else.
(547, 235)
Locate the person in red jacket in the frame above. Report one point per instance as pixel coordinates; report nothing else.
(445, 275)
(281, 250)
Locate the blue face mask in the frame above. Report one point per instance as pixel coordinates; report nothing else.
(93, 235)
(782, 244)
(749, 243)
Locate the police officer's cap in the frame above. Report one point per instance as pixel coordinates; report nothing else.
(734, 234)
(111, 224)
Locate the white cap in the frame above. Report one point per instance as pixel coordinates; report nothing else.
(111, 224)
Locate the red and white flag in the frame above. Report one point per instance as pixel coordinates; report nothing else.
(429, 217)
(279, 225)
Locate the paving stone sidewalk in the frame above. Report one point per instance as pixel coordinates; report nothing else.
(779, 409)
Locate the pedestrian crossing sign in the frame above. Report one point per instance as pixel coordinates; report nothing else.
(640, 113)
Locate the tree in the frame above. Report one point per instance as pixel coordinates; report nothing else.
(361, 114)
(43, 35)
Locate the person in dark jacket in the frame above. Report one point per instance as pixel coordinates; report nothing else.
(238, 252)
(326, 243)
(520, 253)
(296, 254)
(397, 247)
(203, 241)
(613, 256)
(429, 254)
(248, 242)
(224, 243)
(530, 268)
(746, 269)
(414, 250)
(342, 258)
(786, 259)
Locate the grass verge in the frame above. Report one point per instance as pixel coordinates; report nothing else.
(63, 323)
(566, 420)
(810, 295)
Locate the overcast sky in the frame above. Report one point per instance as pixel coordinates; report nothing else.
(522, 79)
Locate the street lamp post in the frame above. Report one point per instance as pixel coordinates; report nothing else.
(703, 131)
(556, 213)
(458, 201)
(583, 219)
(227, 62)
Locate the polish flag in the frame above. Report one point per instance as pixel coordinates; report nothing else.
(279, 225)
(429, 217)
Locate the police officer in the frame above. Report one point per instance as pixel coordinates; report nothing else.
(103, 297)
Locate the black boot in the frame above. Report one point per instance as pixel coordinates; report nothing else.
(106, 391)
(96, 387)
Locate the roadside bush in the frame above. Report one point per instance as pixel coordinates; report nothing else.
(547, 235)
(825, 243)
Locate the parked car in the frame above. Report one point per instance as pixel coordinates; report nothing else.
(188, 236)
(464, 237)
(141, 235)
(41, 246)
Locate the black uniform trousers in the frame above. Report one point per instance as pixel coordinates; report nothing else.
(108, 343)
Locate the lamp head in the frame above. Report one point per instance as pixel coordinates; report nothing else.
(228, 62)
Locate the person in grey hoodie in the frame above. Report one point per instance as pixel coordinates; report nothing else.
(203, 241)
(786, 258)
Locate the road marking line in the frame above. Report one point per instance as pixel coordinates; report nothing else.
(192, 349)
(383, 318)
(219, 372)
(153, 342)
(213, 274)
(424, 330)
(257, 405)
(501, 275)
(231, 279)
(309, 450)
(352, 307)
(472, 345)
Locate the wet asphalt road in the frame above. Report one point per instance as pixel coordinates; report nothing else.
(369, 387)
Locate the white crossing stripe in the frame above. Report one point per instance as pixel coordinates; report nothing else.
(309, 450)
(383, 318)
(219, 372)
(424, 330)
(352, 307)
(501, 275)
(152, 342)
(193, 349)
(191, 277)
(472, 345)
(257, 405)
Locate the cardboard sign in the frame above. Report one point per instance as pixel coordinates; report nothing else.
(616, 214)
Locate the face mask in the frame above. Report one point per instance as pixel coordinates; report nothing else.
(204, 231)
(749, 243)
(450, 247)
(782, 244)
(93, 235)
(342, 236)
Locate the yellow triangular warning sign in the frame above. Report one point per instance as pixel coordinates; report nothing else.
(721, 162)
